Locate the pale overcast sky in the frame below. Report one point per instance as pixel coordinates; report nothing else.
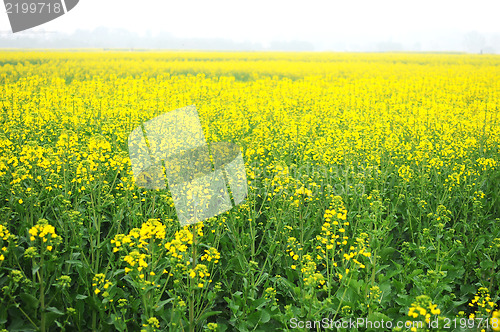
(263, 21)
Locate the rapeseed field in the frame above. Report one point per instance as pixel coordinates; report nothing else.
(373, 193)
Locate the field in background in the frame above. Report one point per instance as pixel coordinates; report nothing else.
(373, 193)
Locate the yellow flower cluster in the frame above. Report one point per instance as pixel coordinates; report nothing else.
(280, 173)
(442, 215)
(332, 247)
(5, 236)
(351, 255)
(212, 326)
(182, 239)
(337, 212)
(482, 303)
(67, 141)
(406, 173)
(212, 254)
(200, 274)
(308, 267)
(487, 163)
(64, 281)
(137, 248)
(301, 194)
(180, 250)
(101, 284)
(375, 294)
(310, 276)
(423, 309)
(46, 233)
(135, 260)
(141, 238)
(270, 293)
(180, 243)
(152, 324)
(294, 248)
(329, 238)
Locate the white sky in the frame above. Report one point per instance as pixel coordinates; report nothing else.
(263, 21)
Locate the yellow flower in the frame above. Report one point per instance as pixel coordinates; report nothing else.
(212, 326)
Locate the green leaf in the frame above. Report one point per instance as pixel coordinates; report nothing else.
(403, 300)
(117, 322)
(55, 310)
(254, 318)
(486, 264)
(386, 252)
(375, 318)
(208, 314)
(19, 325)
(386, 289)
(35, 268)
(259, 302)
(50, 318)
(221, 327)
(160, 304)
(264, 316)
(74, 262)
(81, 297)
(381, 268)
(467, 289)
(3, 317)
(233, 306)
(30, 300)
(296, 291)
(415, 273)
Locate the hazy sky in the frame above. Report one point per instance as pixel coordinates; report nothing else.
(264, 21)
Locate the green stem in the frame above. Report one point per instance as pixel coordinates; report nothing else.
(42, 294)
(192, 299)
(24, 313)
